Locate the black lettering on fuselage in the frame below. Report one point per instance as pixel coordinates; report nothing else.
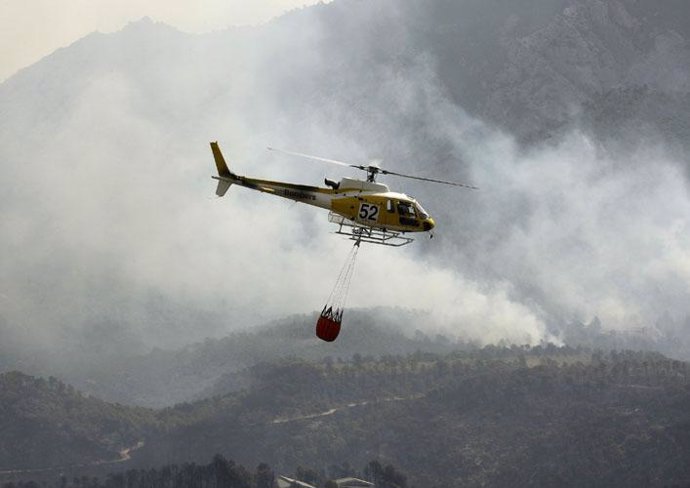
(298, 195)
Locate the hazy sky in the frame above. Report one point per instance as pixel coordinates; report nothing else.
(31, 29)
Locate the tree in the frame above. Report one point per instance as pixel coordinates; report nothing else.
(264, 476)
(387, 477)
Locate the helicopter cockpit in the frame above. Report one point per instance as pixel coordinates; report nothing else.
(409, 212)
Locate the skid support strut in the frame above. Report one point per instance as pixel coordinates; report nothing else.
(372, 235)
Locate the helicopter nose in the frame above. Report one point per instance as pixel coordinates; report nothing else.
(429, 224)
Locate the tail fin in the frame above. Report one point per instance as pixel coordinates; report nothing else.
(224, 174)
(223, 186)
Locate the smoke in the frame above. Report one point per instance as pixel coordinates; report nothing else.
(115, 235)
(588, 234)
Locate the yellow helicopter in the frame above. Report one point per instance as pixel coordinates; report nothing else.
(365, 211)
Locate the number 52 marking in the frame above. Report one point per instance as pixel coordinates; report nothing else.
(368, 211)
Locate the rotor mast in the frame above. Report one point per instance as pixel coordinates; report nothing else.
(372, 171)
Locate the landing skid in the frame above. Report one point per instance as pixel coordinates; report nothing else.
(371, 235)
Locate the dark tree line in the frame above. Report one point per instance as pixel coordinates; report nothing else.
(219, 473)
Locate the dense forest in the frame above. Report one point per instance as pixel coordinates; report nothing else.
(495, 416)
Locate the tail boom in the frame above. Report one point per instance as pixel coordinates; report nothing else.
(311, 195)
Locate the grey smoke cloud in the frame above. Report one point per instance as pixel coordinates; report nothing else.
(111, 222)
(596, 235)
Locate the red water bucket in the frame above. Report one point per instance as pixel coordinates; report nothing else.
(327, 329)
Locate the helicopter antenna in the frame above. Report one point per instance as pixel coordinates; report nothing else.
(373, 169)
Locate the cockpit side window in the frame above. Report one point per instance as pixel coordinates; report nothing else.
(408, 214)
(405, 209)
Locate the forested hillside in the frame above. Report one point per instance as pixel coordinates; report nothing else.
(496, 416)
(164, 377)
(46, 423)
(478, 419)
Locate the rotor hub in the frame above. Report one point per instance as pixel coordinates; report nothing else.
(372, 171)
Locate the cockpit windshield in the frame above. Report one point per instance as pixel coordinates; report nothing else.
(421, 212)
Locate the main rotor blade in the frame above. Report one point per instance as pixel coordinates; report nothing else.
(371, 167)
(444, 182)
(317, 158)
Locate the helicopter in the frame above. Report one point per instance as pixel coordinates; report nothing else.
(364, 210)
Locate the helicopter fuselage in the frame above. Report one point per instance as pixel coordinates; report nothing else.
(365, 203)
